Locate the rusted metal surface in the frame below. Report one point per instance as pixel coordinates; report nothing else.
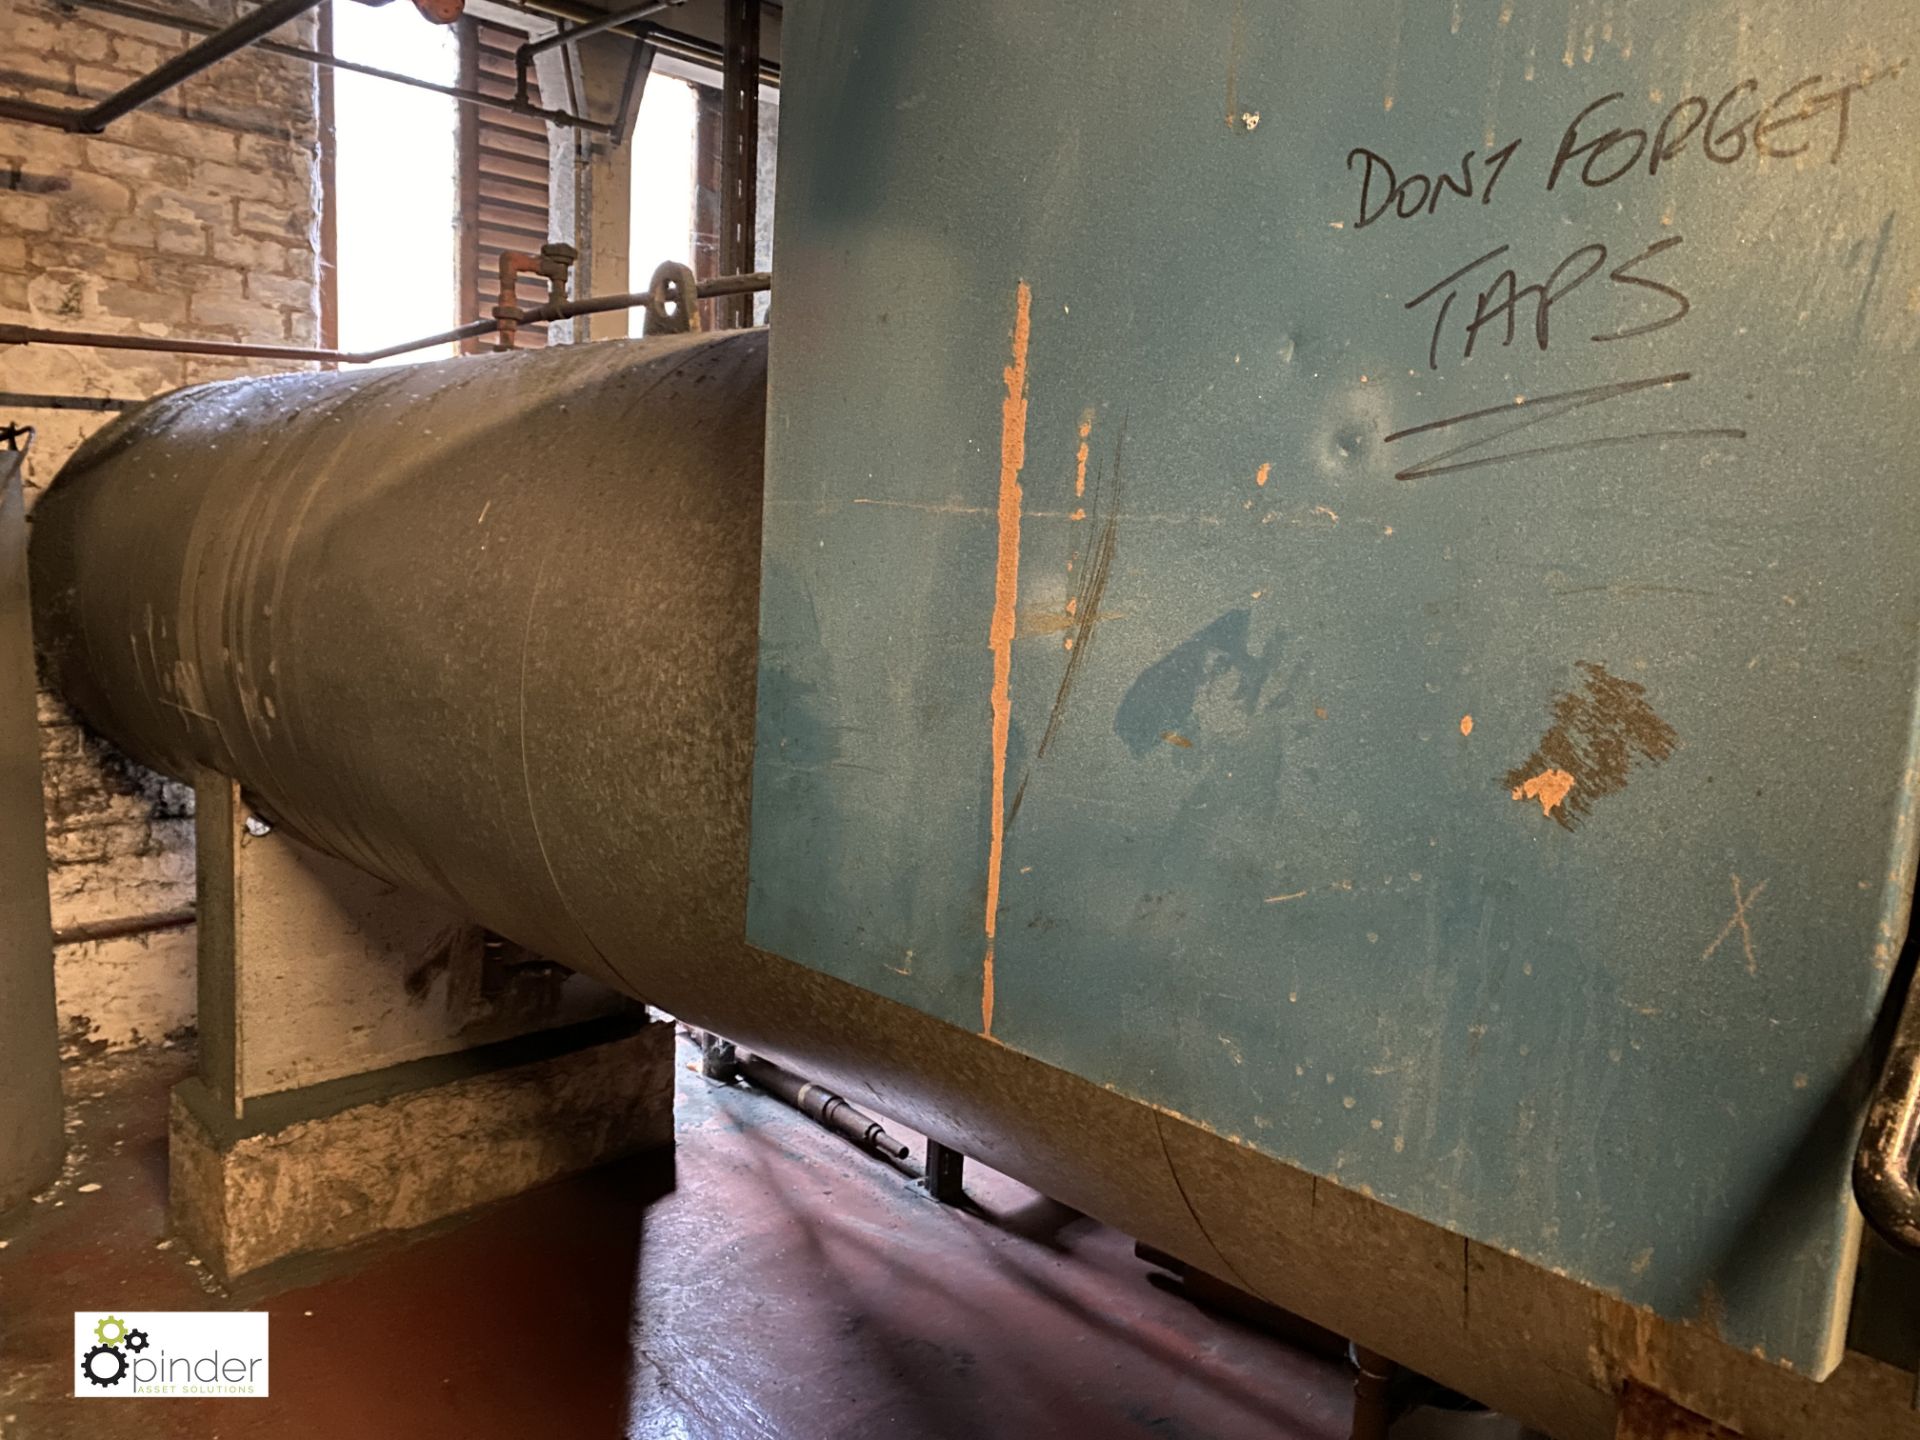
(553, 264)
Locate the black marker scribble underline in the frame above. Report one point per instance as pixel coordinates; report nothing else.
(1550, 407)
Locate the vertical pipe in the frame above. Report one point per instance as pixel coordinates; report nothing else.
(32, 1142)
(739, 153)
(329, 269)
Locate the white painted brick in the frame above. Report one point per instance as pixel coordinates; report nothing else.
(120, 993)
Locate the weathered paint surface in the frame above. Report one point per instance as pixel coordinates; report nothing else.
(1569, 350)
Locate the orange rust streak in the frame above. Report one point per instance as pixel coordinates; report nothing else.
(1260, 475)
(1080, 456)
(1006, 594)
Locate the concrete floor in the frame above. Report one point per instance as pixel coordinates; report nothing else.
(768, 1281)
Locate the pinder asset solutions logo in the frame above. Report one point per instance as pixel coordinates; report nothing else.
(203, 1354)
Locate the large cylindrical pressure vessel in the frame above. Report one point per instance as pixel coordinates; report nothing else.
(487, 629)
(483, 627)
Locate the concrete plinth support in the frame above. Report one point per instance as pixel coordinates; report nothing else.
(371, 1062)
(341, 1162)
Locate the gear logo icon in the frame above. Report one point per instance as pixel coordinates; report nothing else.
(136, 1340)
(112, 1323)
(104, 1365)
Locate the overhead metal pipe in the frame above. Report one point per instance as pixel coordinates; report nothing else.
(92, 119)
(27, 400)
(249, 350)
(480, 100)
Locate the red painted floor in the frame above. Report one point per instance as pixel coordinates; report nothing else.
(768, 1281)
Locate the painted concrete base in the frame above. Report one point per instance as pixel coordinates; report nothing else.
(332, 1164)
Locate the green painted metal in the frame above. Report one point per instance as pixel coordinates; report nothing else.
(32, 1142)
(1459, 738)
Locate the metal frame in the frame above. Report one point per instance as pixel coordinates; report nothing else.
(564, 310)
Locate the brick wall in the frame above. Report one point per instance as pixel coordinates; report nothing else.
(195, 216)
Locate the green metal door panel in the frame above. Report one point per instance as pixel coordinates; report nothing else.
(1483, 778)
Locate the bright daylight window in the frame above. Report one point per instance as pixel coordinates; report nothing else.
(397, 212)
(665, 144)
(675, 212)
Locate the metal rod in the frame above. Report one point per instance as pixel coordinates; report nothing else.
(124, 926)
(246, 350)
(233, 349)
(581, 32)
(18, 400)
(465, 95)
(217, 46)
(823, 1107)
